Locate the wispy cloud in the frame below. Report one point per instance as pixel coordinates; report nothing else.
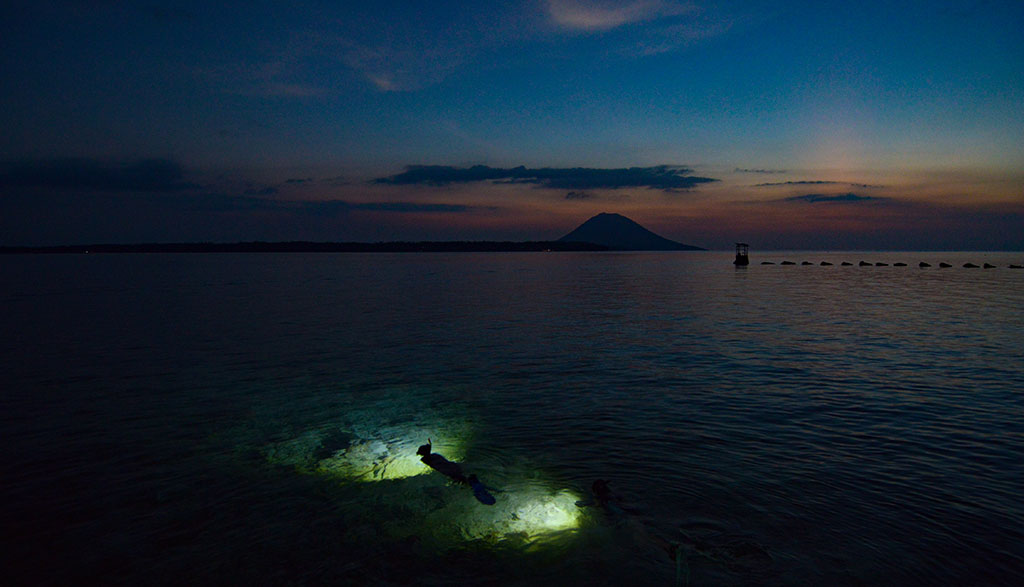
(291, 90)
(401, 65)
(399, 54)
(264, 191)
(809, 182)
(664, 177)
(769, 171)
(815, 182)
(393, 61)
(417, 207)
(819, 198)
(670, 38)
(591, 15)
(648, 27)
(423, 44)
(342, 206)
(282, 73)
(576, 195)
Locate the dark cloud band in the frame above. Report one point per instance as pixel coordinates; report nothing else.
(817, 198)
(145, 175)
(769, 171)
(407, 207)
(226, 203)
(814, 182)
(576, 195)
(663, 177)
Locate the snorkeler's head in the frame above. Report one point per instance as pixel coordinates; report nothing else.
(424, 449)
(601, 490)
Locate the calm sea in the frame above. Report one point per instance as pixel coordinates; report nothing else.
(253, 419)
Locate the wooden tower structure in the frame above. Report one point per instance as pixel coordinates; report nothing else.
(742, 257)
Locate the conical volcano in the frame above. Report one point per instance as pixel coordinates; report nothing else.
(619, 233)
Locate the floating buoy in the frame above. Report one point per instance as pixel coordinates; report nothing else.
(846, 263)
(923, 264)
(865, 264)
(880, 264)
(989, 266)
(825, 264)
(899, 264)
(944, 265)
(767, 263)
(970, 266)
(807, 263)
(787, 263)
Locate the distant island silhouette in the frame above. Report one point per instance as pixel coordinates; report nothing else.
(619, 233)
(604, 232)
(315, 247)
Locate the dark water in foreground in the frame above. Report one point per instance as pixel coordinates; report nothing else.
(252, 419)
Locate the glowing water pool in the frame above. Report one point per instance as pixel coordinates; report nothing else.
(365, 453)
(377, 447)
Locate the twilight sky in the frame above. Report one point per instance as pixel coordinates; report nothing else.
(813, 125)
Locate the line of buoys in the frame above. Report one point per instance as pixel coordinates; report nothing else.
(922, 264)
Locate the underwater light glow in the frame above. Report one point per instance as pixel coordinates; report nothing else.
(370, 455)
(558, 512)
(379, 443)
(521, 512)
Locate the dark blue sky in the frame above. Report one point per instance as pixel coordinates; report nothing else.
(823, 125)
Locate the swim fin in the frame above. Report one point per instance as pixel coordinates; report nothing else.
(480, 492)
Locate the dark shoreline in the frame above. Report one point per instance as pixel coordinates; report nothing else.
(312, 247)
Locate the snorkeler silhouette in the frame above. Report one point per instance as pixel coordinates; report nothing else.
(737, 553)
(603, 497)
(453, 471)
